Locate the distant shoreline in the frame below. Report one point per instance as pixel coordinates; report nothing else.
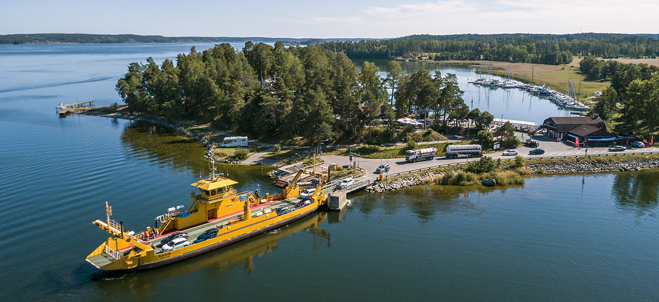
(45, 39)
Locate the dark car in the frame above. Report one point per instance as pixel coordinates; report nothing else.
(532, 143)
(172, 237)
(283, 210)
(537, 151)
(208, 234)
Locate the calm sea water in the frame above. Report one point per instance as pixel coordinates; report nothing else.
(593, 237)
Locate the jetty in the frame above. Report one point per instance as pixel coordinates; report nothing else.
(72, 108)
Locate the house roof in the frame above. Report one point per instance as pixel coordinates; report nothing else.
(567, 123)
(584, 130)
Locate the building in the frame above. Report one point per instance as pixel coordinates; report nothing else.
(585, 128)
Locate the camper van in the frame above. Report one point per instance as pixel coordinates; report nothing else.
(234, 141)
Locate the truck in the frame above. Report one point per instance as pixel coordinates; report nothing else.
(420, 154)
(453, 151)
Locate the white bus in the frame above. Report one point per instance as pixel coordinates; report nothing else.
(234, 141)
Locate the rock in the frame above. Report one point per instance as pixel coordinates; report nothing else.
(489, 182)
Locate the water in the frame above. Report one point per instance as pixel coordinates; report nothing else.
(512, 104)
(577, 237)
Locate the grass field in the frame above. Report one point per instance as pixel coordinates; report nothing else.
(655, 62)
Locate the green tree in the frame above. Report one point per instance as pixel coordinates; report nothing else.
(485, 139)
(394, 72)
(316, 116)
(507, 136)
(372, 93)
(131, 90)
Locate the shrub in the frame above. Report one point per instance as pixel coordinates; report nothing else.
(540, 171)
(277, 149)
(458, 178)
(241, 153)
(484, 165)
(411, 145)
(523, 171)
(519, 161)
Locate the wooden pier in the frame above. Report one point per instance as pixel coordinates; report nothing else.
(72, 108)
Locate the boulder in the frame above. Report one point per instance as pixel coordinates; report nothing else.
(489, 182)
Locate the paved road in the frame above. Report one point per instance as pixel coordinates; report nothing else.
(255, 159)
(552, 149)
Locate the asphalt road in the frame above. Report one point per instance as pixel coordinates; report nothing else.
(552, 149)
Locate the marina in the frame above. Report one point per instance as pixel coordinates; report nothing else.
(567, 101)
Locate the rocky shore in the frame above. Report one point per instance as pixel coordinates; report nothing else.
(634, 164)
(583, 166)
(403, 182)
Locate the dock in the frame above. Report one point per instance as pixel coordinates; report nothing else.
(72, 108)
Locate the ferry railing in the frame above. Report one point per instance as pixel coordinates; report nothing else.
(114, 254)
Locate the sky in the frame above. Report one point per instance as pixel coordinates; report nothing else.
(327, 19)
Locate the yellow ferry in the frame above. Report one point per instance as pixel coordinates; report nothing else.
(217, 216)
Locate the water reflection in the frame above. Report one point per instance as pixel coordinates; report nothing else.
(142, 285)
(426, 201)
(637, 192)
(163, 143)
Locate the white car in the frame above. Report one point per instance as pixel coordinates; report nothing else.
(383, 168)
(175, 244)
(346, 182)
(307, 193)
(510, 152)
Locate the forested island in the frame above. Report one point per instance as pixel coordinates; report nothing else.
(288, 92)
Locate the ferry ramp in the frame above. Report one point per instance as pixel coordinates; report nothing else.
(360, 183)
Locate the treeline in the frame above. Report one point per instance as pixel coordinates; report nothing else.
(601, 70)
(283, 93)
(544, 49)
(631, 103)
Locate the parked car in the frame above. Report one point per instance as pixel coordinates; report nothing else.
(172, 237)
(537, 151)
(208, 234)
(307, 193)
(175, 244)
(637, 144)
(346, 182)
(283, 210)
(383, 168)
(618, 148)
(531, 143)
(510, 152)
(303, 203)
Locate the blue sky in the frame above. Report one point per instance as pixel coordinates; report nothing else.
(327, 19)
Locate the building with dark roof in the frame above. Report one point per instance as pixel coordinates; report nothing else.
(585, 128)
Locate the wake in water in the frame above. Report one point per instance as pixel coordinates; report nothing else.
(22, 88)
